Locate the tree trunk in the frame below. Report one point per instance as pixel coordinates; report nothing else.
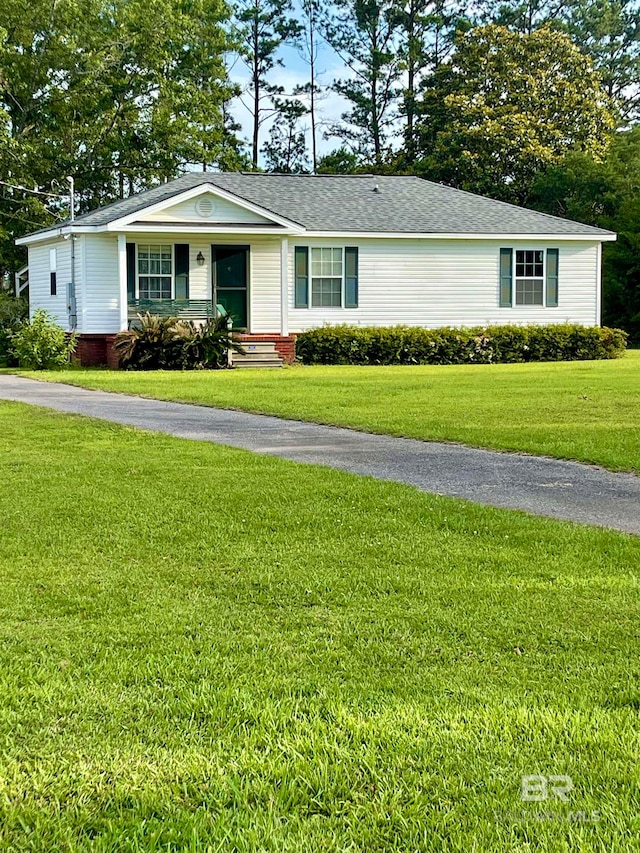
(411, 84)
(256, 97)
(312, 104)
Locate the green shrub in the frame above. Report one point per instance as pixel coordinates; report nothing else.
(13, 312)
(168, 343)
(490, 345)
(42, 344)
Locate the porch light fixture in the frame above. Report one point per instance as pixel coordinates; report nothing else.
(200, 259)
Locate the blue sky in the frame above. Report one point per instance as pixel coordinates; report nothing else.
(295, 72)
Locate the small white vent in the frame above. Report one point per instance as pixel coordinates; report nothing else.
(205, 207)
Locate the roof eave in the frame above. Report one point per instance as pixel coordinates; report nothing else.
(57, 232)
(596, 237)
(204, 229)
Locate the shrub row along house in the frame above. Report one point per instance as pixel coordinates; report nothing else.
(282, 254)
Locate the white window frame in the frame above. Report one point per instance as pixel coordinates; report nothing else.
(148, 275)
(516, 278)
(342, 278)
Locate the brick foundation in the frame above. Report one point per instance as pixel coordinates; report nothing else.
(98, 351)
(285, 344)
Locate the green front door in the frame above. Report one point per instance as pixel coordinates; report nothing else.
(230, 268)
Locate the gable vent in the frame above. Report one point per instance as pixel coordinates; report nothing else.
(205, 207)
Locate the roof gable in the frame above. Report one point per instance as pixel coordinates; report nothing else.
(205, 209)
(202, 204)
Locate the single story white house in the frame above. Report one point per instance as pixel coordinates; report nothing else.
(285, 253)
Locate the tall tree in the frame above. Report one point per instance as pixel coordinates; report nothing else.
(262, 27)
(309, 50)
(364, 34)
(286, 149)
(525, 16)
(106, 91)
(609, 32)
(506, 106)
(425, 40)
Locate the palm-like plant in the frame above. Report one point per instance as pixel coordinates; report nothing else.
(207, 345)
(168, 343)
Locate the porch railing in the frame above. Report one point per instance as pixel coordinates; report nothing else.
(186, 309)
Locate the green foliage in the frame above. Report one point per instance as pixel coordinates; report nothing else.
(363, 34)
(506, 106)
(119, 94)
(42, 344)
(426, 32)
(341, 161)
(490, 345)
(13, 311)
(286, 149)
(609, 32)
(168, 343)
(606, 194)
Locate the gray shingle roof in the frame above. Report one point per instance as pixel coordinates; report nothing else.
(351, 203)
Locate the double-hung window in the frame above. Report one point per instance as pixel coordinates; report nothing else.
(155, 272)
(326, 277)
(529, 278)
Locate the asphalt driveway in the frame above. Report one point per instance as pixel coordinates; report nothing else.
(548, 487)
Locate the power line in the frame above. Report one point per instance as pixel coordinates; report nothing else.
(36, 192)
(22, 202)
(20, 219)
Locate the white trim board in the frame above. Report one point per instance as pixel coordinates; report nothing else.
(507, 239)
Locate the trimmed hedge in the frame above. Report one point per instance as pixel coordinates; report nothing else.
(490, 345)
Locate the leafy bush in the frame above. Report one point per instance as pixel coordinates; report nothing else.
(13, 311)
(168, 343)
(42, 344)
(490, 345)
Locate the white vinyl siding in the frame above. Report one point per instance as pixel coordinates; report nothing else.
(434, 283)
(99, 285)
(416, 282)
(40, 260)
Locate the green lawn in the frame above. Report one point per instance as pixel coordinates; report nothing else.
(208, 650)
(579, 410)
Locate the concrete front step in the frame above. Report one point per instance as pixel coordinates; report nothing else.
(256, 362)
(257, 354)
(258, 346)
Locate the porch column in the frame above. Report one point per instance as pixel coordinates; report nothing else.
(122, 279)
(284, 286)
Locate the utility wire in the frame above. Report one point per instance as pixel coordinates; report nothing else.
(23, 221)
(36, 192)
(21, 201)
